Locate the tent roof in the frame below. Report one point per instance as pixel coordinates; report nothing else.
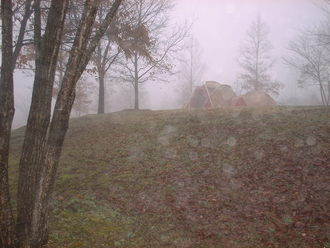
(238, 101)
(258, 98)
(211, 94)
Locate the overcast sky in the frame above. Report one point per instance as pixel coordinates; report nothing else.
(219, 27)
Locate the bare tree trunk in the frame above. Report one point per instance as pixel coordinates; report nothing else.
(99, 58)
(52, 150)
(7, 225)
(322, 92)
(19, 43)
(136, 95)
(39, 116)
(46, 180)
(101, 94)
(136, 83)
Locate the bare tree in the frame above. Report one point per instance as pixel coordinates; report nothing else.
(255, 60)
(310, 57)
(191, 69)
(43, 138)
(151, 46)
(7, 110)
(22, 12)
(106, 53)
(111, 46)
(103, 58)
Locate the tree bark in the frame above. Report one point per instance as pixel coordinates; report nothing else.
(7, 225)
(52, 150)
(39, 159)
(136, 83)
(39, 116)
(101, 94)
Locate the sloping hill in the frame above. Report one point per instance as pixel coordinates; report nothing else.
(210, 178)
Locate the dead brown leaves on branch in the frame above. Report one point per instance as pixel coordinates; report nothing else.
(137, 40)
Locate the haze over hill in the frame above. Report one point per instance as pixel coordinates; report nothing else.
(219, 27)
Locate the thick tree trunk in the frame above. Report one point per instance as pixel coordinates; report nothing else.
(76, 65)
(38, 121)
(40, 158)
(7, 226)
(101, 94)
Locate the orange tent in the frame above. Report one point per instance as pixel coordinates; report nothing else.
(211, 95)
(258, 98)
(238, 101)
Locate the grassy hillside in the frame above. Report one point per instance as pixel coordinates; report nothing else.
(213, 178)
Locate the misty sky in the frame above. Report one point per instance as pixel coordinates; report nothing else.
(219, 27)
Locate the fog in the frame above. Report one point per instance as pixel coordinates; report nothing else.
(219, 26)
